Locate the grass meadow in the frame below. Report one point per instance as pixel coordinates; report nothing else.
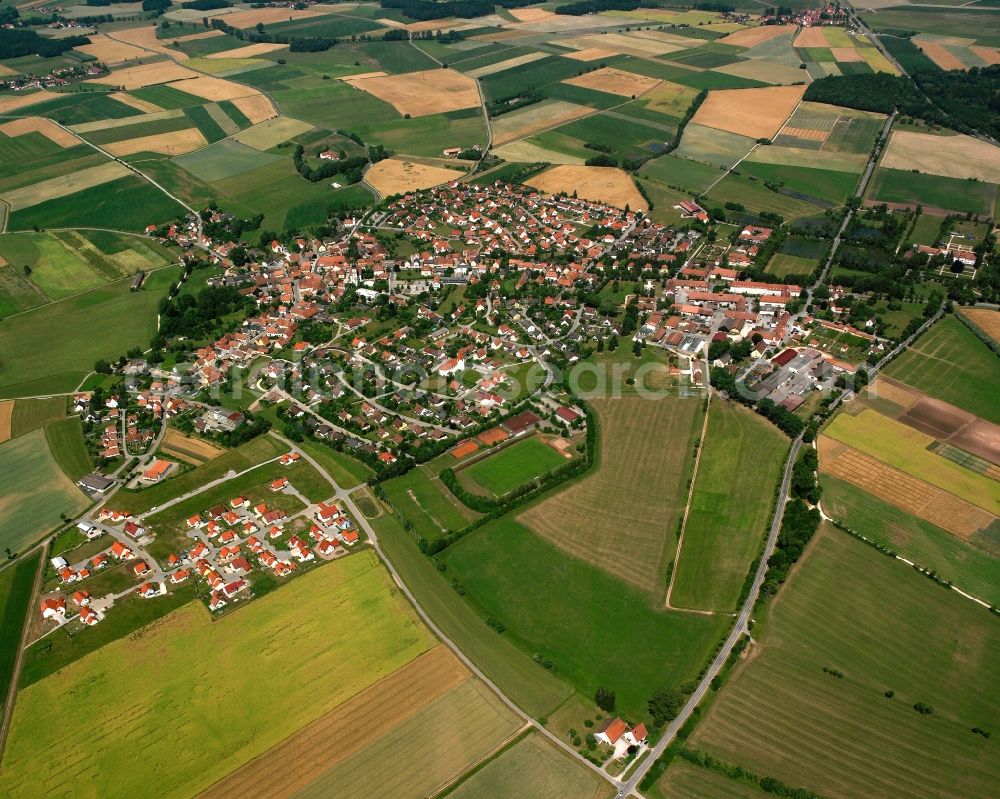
(883, 626)
(16, 584)
(532, 767)
(588, 624)
(949, 362)
(35, 491)
(194, 681)
(65, 440)
(741, 463)
(429, 506)
(30, 414)
(102, 323)
(934, 191)
(514, 466)
(537, 691)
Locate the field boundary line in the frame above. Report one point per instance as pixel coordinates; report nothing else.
(8, 710)
(510, 741)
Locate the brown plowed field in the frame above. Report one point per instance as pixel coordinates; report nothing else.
(901, 490)
(189, 448)
(302, 757)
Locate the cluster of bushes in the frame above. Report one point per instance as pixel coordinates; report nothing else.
(782, 418)
(206, 5)
(504, 105)
(464, 9)
(797, 528)
(583, 7)
(242, 434)
(196, 315)
(766, 784)
(804, 485)
(351, 168)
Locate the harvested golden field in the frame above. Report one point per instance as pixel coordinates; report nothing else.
(306, 755)
(530, 153)
(940, 56)
(6, 413)
(606, 184)
(134, 102)
(985, 319)
(510, 63)
(397, 175)
(846, 54)
(188, 447)
(249, 51)
(255, 107)
(53, 188)
(901, 490)
(12, 102)
(176, 142)
(531, 14)
(957, 156)
(145, 75)
(111, 51)
(898, 393)
(432, 91)
(590, 54)
(990, 55)
(272, 132)
(811, 37)
(622, 43)
(194, 36)
(145, 38)
(535, 118)
(750, 37)
(214, 89)
(622, 516)
(615, 81)
(49, 129)
(425, 753)
(757, 113)
(762, 70)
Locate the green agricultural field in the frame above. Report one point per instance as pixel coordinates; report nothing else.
(102, 323)
(427, 504)
(65, 440)
(32, 158)
(166, 97)
(685, 780)
(949, 362)
(681, 172)
(742, 460)
(716, 148)
(298, 632)
(128, 203)
(933, 191)
(826, 185)
(583, 620)
(884, 627)
(532, 767)
(515, 466)
(225, 159)
(30, 414)
(537, 691)
(905, 448)
(756, 197)
(16, 584)
(970, 565)
(36, 491)
(77, 108)
(347, 471)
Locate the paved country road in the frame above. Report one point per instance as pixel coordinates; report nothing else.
(735, 634)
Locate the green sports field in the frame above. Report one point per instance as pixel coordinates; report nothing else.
(949, 362)
(884, 627)
(308, 628)
(102, 323)
(586, 622)
(36, 491)
(741, 463)
(514, 466)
